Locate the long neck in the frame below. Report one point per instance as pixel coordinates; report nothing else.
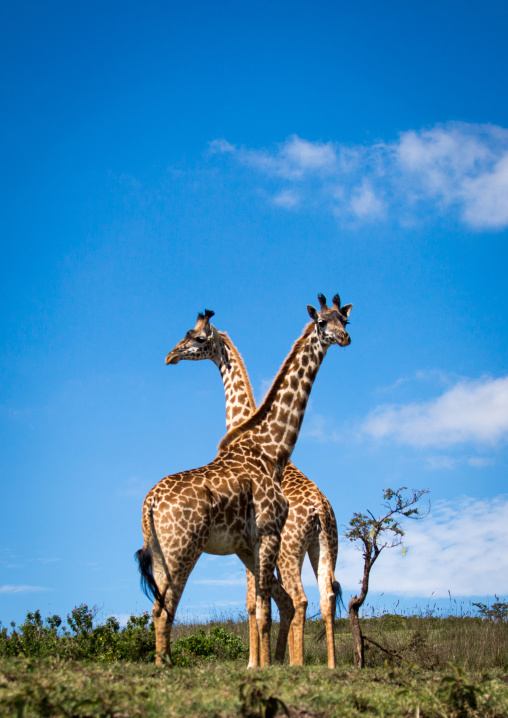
(275, 426)
(240, 402)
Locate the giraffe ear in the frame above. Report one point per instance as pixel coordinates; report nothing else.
(346, 310)
(312, 313)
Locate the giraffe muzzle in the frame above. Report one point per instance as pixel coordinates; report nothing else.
(172, 358)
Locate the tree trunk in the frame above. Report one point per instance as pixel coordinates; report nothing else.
(356, 632)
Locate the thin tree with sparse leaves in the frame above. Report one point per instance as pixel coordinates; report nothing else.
(375, 534)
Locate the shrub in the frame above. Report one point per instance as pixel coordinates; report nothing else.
(219, 644)
(104, 642)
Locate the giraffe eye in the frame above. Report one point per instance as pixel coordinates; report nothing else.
(322, 323)
(200, 340)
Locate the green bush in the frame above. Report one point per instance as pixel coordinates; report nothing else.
(104, 642)
(219, 644)
(109, 642)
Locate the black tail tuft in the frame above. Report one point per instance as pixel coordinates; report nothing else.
(337, 590)
(145, 564)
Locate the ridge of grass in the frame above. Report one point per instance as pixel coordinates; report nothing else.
(427, 666)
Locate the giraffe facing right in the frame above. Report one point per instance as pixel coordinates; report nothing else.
(310, 527)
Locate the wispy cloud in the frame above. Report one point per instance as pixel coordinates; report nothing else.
(287, 198)
(436, 463)
(456, 167)
(22, 589)
(234, 579)
(459, 548)
(319, 428)
(471, 411)
(364, 202)
(291, 160)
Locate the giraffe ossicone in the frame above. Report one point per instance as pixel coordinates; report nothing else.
(235, 504)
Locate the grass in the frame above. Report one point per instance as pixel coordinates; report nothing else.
(423, 666)
(51, 687)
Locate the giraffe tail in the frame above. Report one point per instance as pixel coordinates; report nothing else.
(337, 590)
(145, 565)
(144, 557)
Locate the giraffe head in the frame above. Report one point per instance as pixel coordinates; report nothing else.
(331, 321)
(198, 343)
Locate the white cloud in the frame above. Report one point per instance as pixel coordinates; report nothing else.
(364, 202)
(456, 167)
(479, 462)
(452, 462)
(234, 579)
(22, 589)
(471, 411)
(459, 547)
(460, 164)
(220, 146)
(303, 156)
(441, 462)
(486, 197)
(287, 198)
(292, 159)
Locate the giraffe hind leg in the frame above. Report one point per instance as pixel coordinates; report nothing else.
(286, 610)
(329, 588)
(253, 626)
(291, 568)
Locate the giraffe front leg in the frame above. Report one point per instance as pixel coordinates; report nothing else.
(266, 557)
(253, 626)
(291, 645)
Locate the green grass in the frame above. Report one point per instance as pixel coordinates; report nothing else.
(430, 666)
(52, 687)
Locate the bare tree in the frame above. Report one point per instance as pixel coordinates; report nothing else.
(375, 534)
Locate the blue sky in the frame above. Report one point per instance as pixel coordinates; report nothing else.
(163, 158)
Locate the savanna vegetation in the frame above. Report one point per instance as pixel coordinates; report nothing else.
(427, 665)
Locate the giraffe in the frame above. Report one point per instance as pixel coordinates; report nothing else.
(310, 527)
(235, 504)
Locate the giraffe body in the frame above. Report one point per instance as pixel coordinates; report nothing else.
(232, 505)
(310, 527)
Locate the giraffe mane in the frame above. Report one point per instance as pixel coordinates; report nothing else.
(241, 364)
(258, 416)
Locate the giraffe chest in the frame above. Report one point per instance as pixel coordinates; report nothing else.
(233, 526)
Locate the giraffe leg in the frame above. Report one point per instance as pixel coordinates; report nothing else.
(171, 571)
(321, 564)
(265, 556)
(284, 604)
(163, 624)
(291, 569)
(253, 626)
(286, 610)
(291, 645)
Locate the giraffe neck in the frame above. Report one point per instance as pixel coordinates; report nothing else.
(276, 424)
(240, 402)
